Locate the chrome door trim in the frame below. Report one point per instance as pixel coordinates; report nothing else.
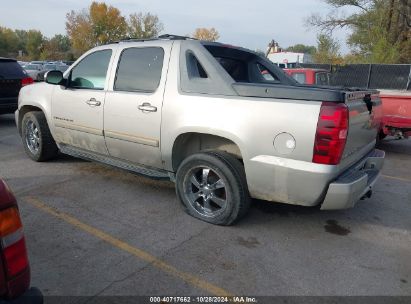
(79, 128)
(132, 138)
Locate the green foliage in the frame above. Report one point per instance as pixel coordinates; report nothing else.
(380, 29)
(9, 42)
(328, 50)
(302, 48)
(57, 48)
(34, 44)
(30, 43)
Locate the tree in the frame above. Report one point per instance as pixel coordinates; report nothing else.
(80, 32)
(301, 48)
(8, 42)
(328, 50)
(380, 29)
(22, 40)
(57, 48)
(99, 25)
(34, 44)
(144, 26)
(206, 34)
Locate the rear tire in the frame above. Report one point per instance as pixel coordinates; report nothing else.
(212, 187)
(37, 139)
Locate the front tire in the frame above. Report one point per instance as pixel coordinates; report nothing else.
(37, 139)
(212, 187)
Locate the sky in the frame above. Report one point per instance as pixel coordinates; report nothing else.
(246, 23)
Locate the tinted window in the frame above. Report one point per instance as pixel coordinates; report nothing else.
(194, 67)
(32, 67)
(300, 77)
(50, 67)
(91, 72)
(139, 69)
(236, 68)
(10, 70)
(266, 74)
(322, 78)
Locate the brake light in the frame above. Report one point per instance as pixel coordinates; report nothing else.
(9, 222)
(26, 81)
(13, 251)
(12, 242)
(331, 135)
(16, 257)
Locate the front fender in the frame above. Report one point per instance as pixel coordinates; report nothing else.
(38, 95)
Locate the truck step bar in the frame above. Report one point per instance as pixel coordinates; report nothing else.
(114, 162)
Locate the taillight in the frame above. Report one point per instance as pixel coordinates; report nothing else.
(26, 81)
(13, 251)
(331, 136)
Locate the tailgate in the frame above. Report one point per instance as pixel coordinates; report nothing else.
(365, 115)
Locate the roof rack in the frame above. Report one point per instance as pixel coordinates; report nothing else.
(175, 37)
(161, 37)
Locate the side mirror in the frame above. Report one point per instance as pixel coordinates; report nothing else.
(54, 77)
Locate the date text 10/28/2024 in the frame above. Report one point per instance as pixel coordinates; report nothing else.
(196, 299)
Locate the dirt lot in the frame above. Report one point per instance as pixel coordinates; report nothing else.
(94, 230)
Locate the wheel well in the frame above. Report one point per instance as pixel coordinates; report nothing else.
(23, 111)
(190, 143)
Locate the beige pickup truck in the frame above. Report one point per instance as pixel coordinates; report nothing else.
(222, 122)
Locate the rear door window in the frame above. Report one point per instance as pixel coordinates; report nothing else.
(139, 69)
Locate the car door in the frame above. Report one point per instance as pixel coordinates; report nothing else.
(132, 111)
(77, 110)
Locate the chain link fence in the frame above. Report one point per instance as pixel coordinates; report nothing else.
(368, 76)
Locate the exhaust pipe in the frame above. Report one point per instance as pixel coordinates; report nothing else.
(367, 195)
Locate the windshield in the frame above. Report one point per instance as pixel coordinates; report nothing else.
(50, 67)
(62, 68)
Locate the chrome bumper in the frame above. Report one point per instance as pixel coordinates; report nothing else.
(354, 184)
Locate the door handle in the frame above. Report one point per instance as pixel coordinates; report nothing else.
(147, 107)
(93, 102)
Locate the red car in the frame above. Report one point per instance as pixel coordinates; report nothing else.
(14, 263)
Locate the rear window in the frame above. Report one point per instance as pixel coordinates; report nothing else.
(11, 70)
(322, 78)
(246, 66)
(236, 68)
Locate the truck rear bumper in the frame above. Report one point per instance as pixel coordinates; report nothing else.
(354, 184)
